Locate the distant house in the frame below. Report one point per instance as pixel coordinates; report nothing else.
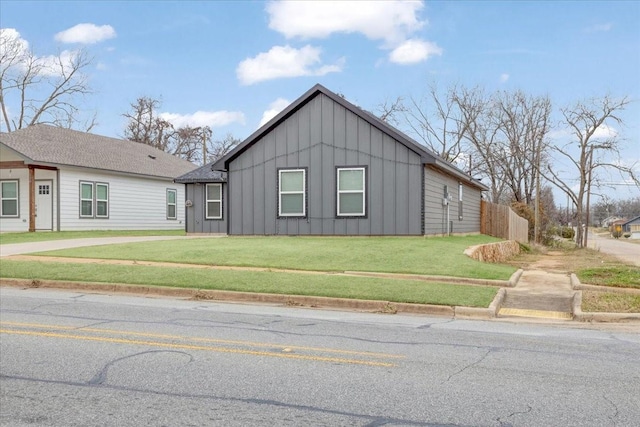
(58, 179)
(323, 166)
(632, 226)
(610, 219)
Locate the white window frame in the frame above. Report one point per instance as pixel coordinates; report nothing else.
(460, 212)
(106, 201)
(3, 198)
(302, 214)
(363, 191)
(207, 200)
(90, 184)
(174, 204)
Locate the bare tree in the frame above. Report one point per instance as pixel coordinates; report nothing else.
(41, 89)
(220, 147)
(594, 145)
(145, 125)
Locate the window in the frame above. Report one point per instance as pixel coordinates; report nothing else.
(292, 192)
(172, 208)
(460, 201)
(9, 197)
(213, 202)
(102, 200)
(351, 191)
(94, 199)
(86, 200)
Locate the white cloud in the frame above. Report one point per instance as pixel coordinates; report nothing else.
(504, 77)
(605, 132)
(274, 108)
(11, 43)
(56, 65)
(212, 119)
(284, 61)
(86, 34)
(390, 21)
(413, 51)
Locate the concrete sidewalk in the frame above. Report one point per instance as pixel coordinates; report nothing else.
(52, 245)
(540, 294)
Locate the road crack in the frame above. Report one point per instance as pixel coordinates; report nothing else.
(615, 407)
(508, 424)
(470, 365)
(101, 376)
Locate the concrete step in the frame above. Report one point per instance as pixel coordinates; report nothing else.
(537, 301)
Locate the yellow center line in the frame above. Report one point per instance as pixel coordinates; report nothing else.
(199, 347)
(208, 340)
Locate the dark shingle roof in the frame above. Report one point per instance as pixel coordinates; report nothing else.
(202, 174)
(51, 145)
(427, 156)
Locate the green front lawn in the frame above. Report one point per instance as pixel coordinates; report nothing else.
(433, 256)
(252, 281)
(41, 236)
(617, 276)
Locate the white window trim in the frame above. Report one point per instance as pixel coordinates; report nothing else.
(460, 211)
(303, 192)
(95, 191)
(17, 198)
(363, 192)
(175, 204)
(207, 201)
(87, 200)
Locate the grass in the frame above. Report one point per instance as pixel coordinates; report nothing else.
(418, 255)
(608, 302)
(616, 276)
(9, 238)
(251, 281)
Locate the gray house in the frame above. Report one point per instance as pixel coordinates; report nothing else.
(323, 166)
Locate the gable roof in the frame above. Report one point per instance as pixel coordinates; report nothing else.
(427, 157)
(632, 221)
(51, 145)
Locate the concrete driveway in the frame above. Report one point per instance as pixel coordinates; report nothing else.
(619, 248)
(52, 245)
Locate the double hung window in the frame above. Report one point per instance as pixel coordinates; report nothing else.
(9, 198)
(213, 202)
(172, 206)
(292, 193)
(351, 194)
(94, 199)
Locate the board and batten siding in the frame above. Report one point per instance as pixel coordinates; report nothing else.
(135, 203)
(196, 214)
(21, 223)
(319, 137)
(435, 221)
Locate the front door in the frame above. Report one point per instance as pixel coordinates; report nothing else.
(44, 205)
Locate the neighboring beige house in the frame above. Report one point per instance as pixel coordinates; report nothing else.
(58, 179)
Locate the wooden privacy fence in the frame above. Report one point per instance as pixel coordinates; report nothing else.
(500, 221)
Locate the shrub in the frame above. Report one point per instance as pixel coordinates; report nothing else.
(568, 232)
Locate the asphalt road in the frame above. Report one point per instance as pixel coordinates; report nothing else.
(620, 248)
(73, 359)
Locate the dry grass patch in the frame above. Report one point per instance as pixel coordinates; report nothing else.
(606, 302)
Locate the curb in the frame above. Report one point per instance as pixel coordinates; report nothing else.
(581, 316)
(232, 296)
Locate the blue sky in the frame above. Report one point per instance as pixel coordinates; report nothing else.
(233, 64)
